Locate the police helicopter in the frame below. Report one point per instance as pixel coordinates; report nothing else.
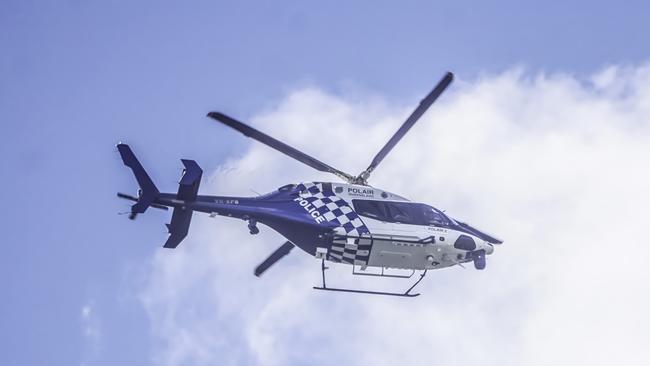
(377, 232)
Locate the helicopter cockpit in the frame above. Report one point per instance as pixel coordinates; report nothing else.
(401, 212)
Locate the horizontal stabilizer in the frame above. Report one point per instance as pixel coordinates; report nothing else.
(178, 227)
(188, 189)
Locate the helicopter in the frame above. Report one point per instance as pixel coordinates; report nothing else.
(374, 231)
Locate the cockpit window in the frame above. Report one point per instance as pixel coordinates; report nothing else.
(402, 212)
(433, 217)
(373, 209)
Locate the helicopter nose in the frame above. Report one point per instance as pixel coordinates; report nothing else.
(489, 248)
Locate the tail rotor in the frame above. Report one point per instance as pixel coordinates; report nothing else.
(128, 197)
(149, 196)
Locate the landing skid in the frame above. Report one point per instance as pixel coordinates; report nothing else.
(398, 294)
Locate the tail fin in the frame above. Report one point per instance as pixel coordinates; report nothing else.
(188, 189)
(149, 192)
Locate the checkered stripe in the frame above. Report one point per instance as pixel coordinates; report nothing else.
(333, 208)
(352, 241)
(350, 249)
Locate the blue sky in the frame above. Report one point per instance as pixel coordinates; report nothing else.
(77, 77)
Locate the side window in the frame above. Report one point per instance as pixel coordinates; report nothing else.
(401, 212)
(373, 209)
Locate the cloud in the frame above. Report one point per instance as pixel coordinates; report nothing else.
(554, 165)
(91, 330)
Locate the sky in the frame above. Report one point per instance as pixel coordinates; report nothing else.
(541, 139)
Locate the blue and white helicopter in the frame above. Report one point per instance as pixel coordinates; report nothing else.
(351, 222)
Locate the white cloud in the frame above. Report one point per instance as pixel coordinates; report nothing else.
(554, 165)
(91, 330)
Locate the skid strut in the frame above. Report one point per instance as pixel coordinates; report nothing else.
(399, 294)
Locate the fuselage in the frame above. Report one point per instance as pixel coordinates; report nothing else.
(354, 224)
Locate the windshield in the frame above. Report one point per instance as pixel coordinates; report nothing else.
(434, 217)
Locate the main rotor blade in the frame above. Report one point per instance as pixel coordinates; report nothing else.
(417, 113)
(274, 257)
(278, 145)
